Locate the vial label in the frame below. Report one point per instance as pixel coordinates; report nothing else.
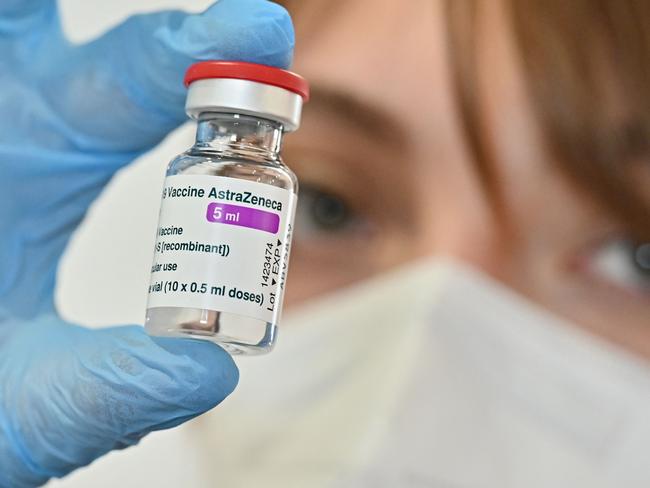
(222, 244)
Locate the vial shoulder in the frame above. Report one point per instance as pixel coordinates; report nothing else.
(274, 173)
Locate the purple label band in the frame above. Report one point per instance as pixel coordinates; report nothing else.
(252, 218)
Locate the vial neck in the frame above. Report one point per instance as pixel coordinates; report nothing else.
(238, 135)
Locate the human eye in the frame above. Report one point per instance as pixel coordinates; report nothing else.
(343, 230)
(322, 214)
(624, 264)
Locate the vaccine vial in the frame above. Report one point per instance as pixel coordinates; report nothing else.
(226, 217)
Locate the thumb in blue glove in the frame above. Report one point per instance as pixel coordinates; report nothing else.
(71, 116)
(71, 394)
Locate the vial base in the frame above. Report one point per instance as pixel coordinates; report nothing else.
(236, 334)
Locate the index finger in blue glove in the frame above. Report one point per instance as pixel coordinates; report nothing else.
(71, 394)
(124, 91)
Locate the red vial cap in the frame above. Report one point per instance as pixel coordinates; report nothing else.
(249, 71)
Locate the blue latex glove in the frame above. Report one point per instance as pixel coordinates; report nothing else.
(70, 116)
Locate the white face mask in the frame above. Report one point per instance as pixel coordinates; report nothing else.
(433, 375)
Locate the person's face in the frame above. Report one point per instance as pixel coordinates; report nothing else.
(386, 176)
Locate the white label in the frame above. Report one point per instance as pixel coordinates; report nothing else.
(222, 244)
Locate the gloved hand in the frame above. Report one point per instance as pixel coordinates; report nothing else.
(70, 116)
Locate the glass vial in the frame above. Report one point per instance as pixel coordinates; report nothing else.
(228, 203)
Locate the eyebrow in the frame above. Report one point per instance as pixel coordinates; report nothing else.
(377, 123)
